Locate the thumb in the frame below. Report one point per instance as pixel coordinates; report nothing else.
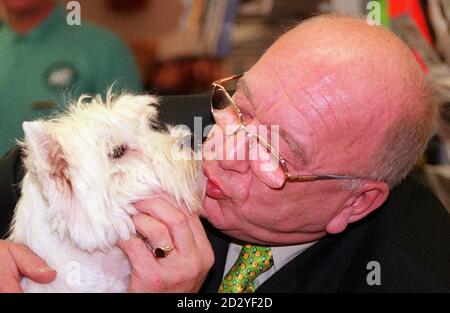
(32, 266)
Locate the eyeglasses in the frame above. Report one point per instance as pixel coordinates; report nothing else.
(221, 102)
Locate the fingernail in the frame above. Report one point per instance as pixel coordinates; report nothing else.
(45, 269)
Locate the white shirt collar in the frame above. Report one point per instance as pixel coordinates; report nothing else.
(281, 254)
(284, 254)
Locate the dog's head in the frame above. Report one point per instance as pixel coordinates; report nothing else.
(97, 159)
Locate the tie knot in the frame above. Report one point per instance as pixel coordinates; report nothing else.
(258, 259)
(252, 261)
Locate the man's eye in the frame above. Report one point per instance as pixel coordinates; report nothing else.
(118, 152)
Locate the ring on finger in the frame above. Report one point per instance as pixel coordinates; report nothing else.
(159, 252)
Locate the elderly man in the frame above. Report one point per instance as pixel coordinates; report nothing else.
(323, 209)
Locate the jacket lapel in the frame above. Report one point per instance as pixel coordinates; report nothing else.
(321, 268)
(219, 244)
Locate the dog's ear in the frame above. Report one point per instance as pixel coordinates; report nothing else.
(45, 158)
(143, 108)
(46, 154)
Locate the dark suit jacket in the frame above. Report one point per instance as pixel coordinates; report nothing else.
(409, 236)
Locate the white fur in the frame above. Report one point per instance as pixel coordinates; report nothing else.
(77, 200)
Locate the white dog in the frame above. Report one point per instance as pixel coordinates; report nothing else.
(84, 169)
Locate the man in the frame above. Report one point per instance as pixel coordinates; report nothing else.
(329, 213)
(43, 60)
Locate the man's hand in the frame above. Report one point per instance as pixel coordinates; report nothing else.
(17, 261)
(163, 224)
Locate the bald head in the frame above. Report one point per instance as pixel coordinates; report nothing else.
(359, 89)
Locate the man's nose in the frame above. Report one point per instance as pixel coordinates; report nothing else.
(230, 152)
(227, 119)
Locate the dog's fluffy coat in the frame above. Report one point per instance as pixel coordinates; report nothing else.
(78, 189)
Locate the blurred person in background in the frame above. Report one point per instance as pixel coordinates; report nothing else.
(44, 61)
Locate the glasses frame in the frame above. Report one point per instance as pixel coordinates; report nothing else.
(289, 177)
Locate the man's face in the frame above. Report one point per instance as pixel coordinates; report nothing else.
(317, 136)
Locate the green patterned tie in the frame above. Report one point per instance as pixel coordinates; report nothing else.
(252, 261)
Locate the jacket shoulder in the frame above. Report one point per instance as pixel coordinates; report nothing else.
(409, 242)
(11, 173)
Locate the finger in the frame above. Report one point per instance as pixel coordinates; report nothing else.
(10, 284)
(177, 222)
(152, 230)
(170, 199)
(199, 232)
(193, 218)
(140, 258)
(31, 266)
(202, 241)
(10, 281)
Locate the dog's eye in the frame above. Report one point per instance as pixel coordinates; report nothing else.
(118, 152)
(158, 126)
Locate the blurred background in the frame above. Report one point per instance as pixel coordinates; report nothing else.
(180, 46)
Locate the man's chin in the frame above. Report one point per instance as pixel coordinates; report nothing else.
(211, 211)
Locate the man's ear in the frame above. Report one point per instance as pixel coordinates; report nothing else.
(368, 196)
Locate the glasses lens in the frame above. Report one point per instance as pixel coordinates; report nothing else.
(224, 112)
(219, 100)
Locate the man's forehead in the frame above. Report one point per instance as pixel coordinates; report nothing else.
(261, 86)
(302, 103)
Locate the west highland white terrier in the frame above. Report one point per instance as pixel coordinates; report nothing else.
(84, 170)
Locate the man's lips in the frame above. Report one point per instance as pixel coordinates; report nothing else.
(212, 188)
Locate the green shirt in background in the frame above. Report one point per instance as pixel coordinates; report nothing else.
(43, 69)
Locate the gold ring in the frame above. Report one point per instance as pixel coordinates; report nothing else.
(159, 252)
